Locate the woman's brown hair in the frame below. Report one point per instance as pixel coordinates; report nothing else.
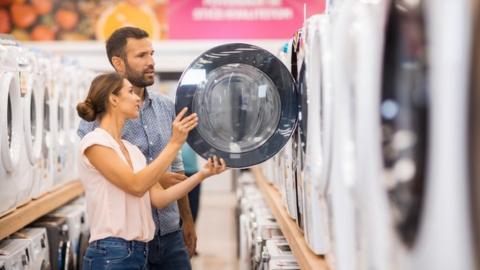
(96, 102)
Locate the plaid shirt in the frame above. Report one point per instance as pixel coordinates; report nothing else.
(151, 132)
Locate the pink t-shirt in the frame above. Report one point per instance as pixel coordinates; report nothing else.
(111, 211)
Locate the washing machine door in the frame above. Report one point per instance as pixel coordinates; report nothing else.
(33, 120)
(246, 102)
(11, 122)
(405, 116)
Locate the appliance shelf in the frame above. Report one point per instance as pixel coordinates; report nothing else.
(305, 257)
(26, 214)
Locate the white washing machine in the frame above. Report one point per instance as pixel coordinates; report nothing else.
(312, 82)
(39, 256)
(75, 96)
(289, 155)
(81, 248)
(25, 170)
(292, 56)
(373, 216)
(12, 137)
(446, 215)
(423, 114)
(58, 241)
(16, 254)
(50, 123)
(33, 116)
(289, 176)
(62, 87)
(8, 83)
(344, 212)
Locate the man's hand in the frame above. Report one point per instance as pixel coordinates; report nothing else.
(190, 237)
(169, 179)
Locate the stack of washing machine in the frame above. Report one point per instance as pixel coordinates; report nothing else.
(261, 242)
(17, 254)
(78, 230)
(302, 167)
(399, 107)
(56, 241)
(39, 249)
(400, 87)
(382, 156)
(16, 170)
(38, 121)
(59, 237)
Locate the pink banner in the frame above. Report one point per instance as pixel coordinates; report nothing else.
(238, 19)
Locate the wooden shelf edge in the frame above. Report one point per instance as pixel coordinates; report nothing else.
(305, 257)
(37, 208)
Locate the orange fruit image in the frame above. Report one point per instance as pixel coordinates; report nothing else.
(42, 6)
(42, 33)
(23, 15)
(66, 19)
(5, 25)
(127, 13)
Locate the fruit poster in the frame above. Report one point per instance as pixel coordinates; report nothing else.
(46, 20)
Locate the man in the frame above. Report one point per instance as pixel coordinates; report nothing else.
(130, 53)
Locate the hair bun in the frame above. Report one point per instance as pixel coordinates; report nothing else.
(85, 111)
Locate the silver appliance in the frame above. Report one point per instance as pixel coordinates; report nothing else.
(39, 256)
(58, 241)
(16, 254)
(75, 218)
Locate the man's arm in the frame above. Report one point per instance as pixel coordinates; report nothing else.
(189, 235)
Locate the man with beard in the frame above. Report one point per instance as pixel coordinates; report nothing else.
(131, 54)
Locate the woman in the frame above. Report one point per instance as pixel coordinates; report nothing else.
(120, 188)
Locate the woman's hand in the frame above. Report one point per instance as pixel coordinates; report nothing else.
(181, 126)
(213, 166)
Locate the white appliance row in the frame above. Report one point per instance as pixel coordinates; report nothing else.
(56, 241)
(377, 174)
(261, 244)
(38, 97)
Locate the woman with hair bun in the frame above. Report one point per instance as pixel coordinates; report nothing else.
(120, 188)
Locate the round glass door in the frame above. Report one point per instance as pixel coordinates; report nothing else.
(245, 100)
(405, 115)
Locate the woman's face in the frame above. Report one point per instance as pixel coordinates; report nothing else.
(128, 101)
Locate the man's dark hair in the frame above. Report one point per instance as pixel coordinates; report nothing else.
(118, 40)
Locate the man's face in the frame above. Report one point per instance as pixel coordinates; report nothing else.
(139, 63)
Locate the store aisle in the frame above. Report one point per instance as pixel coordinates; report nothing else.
(216, 228)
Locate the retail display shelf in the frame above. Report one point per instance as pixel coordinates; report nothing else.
(305, 257)
(33, 210)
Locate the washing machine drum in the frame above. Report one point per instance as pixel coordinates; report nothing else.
(404, 116)
(246, 102)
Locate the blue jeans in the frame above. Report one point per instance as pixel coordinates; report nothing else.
(116, 253)
(168, 252)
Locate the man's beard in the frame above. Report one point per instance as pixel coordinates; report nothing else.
(137, 78)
